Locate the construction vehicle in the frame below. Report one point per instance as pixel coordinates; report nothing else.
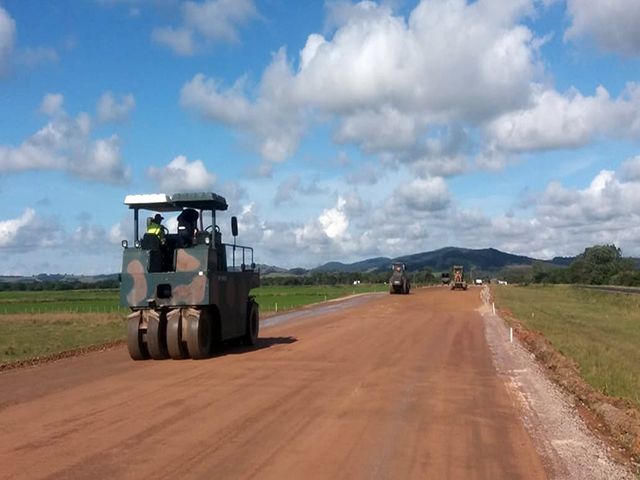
(399, 283)
(458, 278)
(446, 278)
(183, 295)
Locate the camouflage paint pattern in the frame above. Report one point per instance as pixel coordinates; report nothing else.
(186, 262)
(196, 281)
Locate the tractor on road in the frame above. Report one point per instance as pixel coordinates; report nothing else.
(183, 294)
(458, 278)
(399, 283)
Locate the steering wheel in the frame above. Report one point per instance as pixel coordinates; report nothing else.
(217, 228)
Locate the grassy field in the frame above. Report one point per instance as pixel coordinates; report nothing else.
(108, 301)
(32, 335)
(292, 297)
(42, 323)
(79, 301)
(600, 331)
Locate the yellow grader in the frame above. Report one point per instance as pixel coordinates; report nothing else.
(458, 278)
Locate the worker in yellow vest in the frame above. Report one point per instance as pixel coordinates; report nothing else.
(156, 228)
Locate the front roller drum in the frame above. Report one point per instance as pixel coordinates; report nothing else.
(157, 335)
(176, 346)
(135, 337)
(199, 333)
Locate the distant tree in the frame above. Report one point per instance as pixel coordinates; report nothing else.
(601, 265)
(579, 271)
(429, 277)
(539, 274)
(557, 275)
(517, 274)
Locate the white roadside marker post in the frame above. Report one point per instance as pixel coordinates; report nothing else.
(511, 334)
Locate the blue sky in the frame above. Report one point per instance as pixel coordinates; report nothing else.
(337, 130)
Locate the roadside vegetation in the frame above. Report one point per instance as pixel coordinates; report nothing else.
(600, 331)
(597, 265)
(286, 298)
(25, 336)
(60, 301)
(36, 323)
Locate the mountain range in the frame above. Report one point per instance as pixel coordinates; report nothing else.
(488, 260)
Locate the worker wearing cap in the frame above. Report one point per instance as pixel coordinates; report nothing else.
(156, 228)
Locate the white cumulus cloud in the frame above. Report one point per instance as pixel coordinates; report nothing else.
(430, 194)
(613, 24)
(206, 22)
(431, 76)
(179, 40)
(7, 38)
(33, 57)
(65, 144)
(182, 175)
(109, 110)
(28, 232)
(51, 103)
(572, 120)
(334, 220)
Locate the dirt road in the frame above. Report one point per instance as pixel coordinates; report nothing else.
(395, 387)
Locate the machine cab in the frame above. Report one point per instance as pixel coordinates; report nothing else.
(173, 248)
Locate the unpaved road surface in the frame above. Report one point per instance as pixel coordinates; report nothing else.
(395, 387)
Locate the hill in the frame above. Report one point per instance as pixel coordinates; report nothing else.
(486, 259)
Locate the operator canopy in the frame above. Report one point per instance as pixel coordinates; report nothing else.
(162, 202)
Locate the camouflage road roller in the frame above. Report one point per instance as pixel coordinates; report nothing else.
(185, 293)
(399, 283)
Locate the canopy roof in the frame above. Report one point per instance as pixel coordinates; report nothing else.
(162, 202)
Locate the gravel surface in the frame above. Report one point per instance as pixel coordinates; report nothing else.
(568, 449)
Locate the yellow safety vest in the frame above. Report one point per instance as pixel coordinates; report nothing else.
(155, 229)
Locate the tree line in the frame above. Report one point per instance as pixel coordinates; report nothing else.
(597, 265)
(56, 285)
(424, 277)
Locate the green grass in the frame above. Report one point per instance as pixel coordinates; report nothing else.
(600, 331)
(41, 323)
(292, 297)
(88, 301)
(25, 336)
(79, 301)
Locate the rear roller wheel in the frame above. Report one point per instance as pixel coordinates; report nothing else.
(253, 324)
(199, 335)
(135, 341)
(175, 346)
(157, 336)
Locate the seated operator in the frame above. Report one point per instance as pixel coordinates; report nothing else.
(187, 229)
(155, 227)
